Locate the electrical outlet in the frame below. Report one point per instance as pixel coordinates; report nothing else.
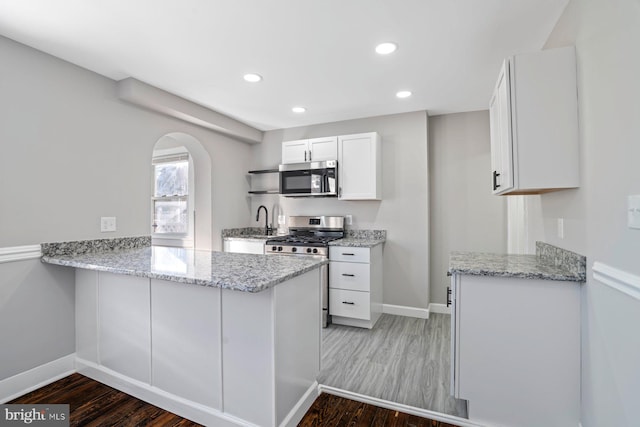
(348, 219)
(561, 228)
(107, 224)
(633, 212)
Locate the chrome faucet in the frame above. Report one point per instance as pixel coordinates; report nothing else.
(268, 230)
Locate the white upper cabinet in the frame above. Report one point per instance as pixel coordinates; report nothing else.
(534, 124)
(310, 150)
(295, 151)
(360, 167)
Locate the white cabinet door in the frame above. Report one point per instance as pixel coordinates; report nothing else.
(350, 276)
(321, 149)
(295, 151)
(502, 342)
(124, 338)
(534, 124)
(308, 150)
(185, 325)
(359, 167)
(501, 137)
(350, 304)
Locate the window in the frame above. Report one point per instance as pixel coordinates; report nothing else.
(171, 195)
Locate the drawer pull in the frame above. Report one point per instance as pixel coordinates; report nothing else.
(348, 254)
(348, 302)
(448, 297)
(348, 275)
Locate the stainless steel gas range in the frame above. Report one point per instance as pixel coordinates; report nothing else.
(310, 236)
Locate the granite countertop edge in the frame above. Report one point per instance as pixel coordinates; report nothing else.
(256, 286)
(355, 242)
(561, 277)
(549, 263)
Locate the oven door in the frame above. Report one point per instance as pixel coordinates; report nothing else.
(315, 179)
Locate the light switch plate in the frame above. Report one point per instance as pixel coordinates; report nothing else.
(633, 215)
(107, 224)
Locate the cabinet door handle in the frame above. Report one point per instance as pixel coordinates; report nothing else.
(309, 155)
(305, 155)
(339, 191)
(348, 254)
(348, 275)
(448, 296)
(495, 180)
(348, 302)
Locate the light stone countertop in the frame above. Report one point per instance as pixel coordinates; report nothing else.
(241, 272)
(520, 266)
(357, 242)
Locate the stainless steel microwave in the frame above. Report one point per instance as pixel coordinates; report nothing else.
(311, 179)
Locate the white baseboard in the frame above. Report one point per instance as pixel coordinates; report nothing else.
(425, 413)
(439, 308)
(402, 310)
(295, 415)
(183, 407)
(19, 253)
(33, 379)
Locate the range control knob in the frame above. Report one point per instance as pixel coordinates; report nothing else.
(294, 249)
(315, 251)
(274, 248)
(309, 250)
(279, 248)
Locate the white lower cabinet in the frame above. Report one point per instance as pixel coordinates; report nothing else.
(124, 325)
(185, 333)
(244, 246)
(215, 356)
(516, 350)
(355, 285)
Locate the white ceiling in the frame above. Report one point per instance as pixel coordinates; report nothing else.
(314, 53)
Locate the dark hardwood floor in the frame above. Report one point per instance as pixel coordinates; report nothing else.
(94, 404)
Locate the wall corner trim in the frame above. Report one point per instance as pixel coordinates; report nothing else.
(19, 253)
(37, 377)
(619, 280)
(402, 310)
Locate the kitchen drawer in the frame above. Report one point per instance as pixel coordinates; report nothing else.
(354, 304)
(349, 275)
(349, 254)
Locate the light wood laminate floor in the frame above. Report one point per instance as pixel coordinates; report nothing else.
(402, 359)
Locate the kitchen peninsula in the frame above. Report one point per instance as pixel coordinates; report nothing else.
(219, 338)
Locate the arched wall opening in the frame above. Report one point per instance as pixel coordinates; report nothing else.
(200, 194)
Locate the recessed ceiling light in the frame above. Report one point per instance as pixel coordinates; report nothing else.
(252, 78)
(298, 109)
(386, 48)
(403, 94)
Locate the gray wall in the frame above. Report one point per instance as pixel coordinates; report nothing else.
(465, 216)
(403, 212)
(72, 152)
(606, 34)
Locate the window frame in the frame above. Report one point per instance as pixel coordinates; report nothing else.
(186, 239)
